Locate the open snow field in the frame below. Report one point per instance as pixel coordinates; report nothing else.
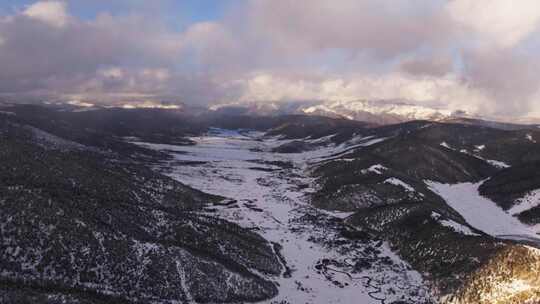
(268, 195)
(484, 214)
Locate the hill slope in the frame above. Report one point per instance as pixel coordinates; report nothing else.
(80, 226)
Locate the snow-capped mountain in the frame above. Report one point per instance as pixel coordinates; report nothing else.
(372, 111)
(378, 111)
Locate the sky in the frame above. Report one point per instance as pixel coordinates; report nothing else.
(478, 56)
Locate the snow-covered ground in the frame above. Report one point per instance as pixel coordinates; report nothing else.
(397, 182)
(529, 201)
(495, 163)
(270, 198)
(457, 227)
(482, 213)
(377, 169)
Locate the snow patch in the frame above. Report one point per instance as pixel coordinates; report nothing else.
(529, 201)
(457, 227)
(495, 163)
(397, 182)
(377, 169)
(480, 212)
(444, 144)
(498, 164)
(480, 147)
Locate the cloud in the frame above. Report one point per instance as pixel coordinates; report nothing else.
(495, 57)
(37, 58)
(112, 59)
(466, 54)
(53, 13)
(501, 22)
(381, 28)
(474, 55)
(438, 67)
(431, 91)
(211, 46)
(510, 80)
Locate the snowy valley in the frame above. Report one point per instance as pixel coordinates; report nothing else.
(271, 193)
(276, 210)
(267, 193)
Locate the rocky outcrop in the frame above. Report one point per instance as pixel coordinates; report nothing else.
(509, 277)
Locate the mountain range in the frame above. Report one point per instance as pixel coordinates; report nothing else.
(373, 111)
(155, 205)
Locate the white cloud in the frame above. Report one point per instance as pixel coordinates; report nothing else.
(160, 74)
(113, 73)
(53, 13)
(446, 91)
(501, 22)
(110, 54)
